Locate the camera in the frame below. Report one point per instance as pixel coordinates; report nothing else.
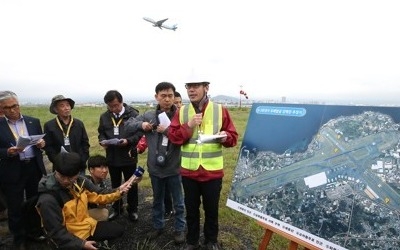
(160, 160)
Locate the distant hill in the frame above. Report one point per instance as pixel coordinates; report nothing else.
(224, 99)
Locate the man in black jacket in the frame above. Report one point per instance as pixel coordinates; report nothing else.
(65, 131)
(120, 149)
(20, 168)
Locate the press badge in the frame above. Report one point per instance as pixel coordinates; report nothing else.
(66, 141)
(164, 141)
(116, 130)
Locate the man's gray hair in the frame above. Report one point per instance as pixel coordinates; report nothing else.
(6, 94)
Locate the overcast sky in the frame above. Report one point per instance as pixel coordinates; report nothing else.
(336, 51)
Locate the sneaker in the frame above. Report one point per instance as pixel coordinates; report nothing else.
(213, 246)
(154, 234)
(192, 247)
(179, 237)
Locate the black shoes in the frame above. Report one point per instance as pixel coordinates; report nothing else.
(36, 237)
(169, 214)
(133, 216)
(113, 215)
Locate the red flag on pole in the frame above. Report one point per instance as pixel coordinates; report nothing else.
(244, 93)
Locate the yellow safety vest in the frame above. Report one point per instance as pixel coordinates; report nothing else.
(206, 154)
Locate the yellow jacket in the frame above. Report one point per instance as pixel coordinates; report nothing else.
(75, 211)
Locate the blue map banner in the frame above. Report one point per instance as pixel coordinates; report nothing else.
(326, 174)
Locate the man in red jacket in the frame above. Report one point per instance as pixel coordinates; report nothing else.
(202, 161)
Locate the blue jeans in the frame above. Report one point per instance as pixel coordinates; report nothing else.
(174, 185)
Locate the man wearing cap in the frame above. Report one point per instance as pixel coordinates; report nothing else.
(66, 131)
(202, 162)
(20, 168)
(63, 206)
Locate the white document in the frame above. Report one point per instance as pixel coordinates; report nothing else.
(207, 138)
(113, 141)
(164, 120)
(24, 141)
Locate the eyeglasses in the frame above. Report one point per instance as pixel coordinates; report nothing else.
(8, 108)
(193, 85)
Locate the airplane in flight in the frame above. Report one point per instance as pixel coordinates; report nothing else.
(160, 24)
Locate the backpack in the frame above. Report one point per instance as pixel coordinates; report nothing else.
(31, 217)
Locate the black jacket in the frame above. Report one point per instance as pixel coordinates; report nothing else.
(10, 169)
(78, 138)
(118, 156)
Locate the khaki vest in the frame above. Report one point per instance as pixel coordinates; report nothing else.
(206, 154)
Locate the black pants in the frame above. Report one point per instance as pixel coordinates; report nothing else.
(26, 185)
(116, 180)
(209, 192)
(107, 230)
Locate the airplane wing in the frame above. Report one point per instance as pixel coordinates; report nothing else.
(149, 20)
(159, 23)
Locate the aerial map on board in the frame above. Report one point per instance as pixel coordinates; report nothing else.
(326, 174)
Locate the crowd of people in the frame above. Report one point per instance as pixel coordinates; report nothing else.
(73, 198)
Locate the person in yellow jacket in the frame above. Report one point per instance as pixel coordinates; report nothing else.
(63, 206)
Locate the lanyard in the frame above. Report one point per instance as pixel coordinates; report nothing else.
(62, 129)
(116, 125)
(14, 129)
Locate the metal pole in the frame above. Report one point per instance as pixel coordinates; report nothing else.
(240, 97)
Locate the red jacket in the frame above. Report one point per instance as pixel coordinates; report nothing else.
(142, 145)
(181, 133)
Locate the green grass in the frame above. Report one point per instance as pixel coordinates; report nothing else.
(234, 226)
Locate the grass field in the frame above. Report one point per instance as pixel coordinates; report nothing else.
(236, 229)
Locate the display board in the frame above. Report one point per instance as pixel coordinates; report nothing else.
(326, 174)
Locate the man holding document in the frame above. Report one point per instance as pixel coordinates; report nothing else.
(120, 150)
(203, 128)
(163, 160)
(21, 168)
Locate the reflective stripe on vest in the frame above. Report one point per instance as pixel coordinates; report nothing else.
(207, 154)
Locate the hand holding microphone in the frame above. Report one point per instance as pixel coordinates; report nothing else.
(137, 176)
(196, 120)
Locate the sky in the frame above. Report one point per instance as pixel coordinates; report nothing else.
(342, 51)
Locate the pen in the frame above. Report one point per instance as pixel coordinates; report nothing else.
(12, 145)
